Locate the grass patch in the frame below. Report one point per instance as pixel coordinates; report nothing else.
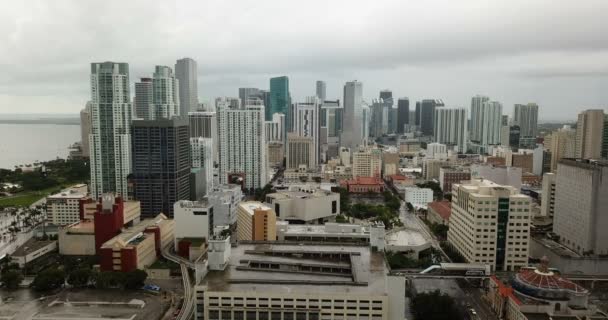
(26, 198)
(164, 264)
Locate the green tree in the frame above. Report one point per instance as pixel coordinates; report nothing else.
(107, 279)
(11, 279)
(341, 219)
(344, 200)
(434, 306)
(135, 279)
(48, 280)
(80, 277)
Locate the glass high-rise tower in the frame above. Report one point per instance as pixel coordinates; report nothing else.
(279, 99)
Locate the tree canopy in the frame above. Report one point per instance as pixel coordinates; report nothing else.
(434, 306)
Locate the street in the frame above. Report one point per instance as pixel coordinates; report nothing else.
(412, 221)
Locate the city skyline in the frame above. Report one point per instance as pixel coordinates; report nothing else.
(562, 68)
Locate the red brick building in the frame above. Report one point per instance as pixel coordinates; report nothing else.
(363, 185)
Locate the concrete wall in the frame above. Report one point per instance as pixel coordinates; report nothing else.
(588, 265)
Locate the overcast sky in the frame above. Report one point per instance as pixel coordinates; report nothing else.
(552, 52)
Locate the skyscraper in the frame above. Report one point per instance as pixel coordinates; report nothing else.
(379, 118)
(306, 123)
(165, 94)
(186, 74)
(331, 111)
(85, 129)
(279, 99)
(143, 98)
(451, 128)
(486, 119)
(403, 114)
(203, 124)
(589, 134)
(275, 129)
(427, 114)
(352, 128)
(242, 146)
(249, 93)
(201, 154)
(563, 145)
(605, 138)
(321, 90)
(161, 164)
(110, 140)
(526, 117)
(300, 151)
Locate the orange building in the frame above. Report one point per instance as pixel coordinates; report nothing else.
(255, 222)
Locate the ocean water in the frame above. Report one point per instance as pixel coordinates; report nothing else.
(27, 143)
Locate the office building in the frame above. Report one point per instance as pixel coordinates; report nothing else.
(379, 118)
(203, 124)
(589, 134)
(331, 117)
(490, 224)
(581, 204)
(161, 164)
(300, 151)
(352, 127)
(500, 174)
(418, 197)
(225, 199)
(448, 176)
(165, 95)
(242, 146)
(309, 206)
(451, 128)
(193, 220)
(110, 139)
(248, 95)
(63, 208)
(255, 222)
(367, 162)
(85, 130)
(526, 117)
(403, 114)
(486, 117)
(201, 155)
(427, 115)
(275, 129)
(321, 90)
(280, 100)
(306, 122)
(436, 151)
(142, 102)
(187, 75)
(294, 285)
(547, 203)
(276, 154)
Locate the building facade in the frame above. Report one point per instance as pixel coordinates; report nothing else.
(161, 164)
(304, 205)
(352, 134)
(589, 134)
(367, 162)
(143, 98)
(187, 75)
(255, 222)
(300, 151)
(526, 117)
(110, 139)
(165, 94)
(85, 129)
(201, 155)
(490, 224)
(451, 128)
(403, 114)
(427, 115)
(280, 100)
(486, 119)
(306, 122)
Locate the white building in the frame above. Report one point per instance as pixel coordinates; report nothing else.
(502, 175)
(418, 197)
(345, 156)
(110, 140)
(225, 199)
(186, 74)
(165, 94)
(63, 208)
(353, 129)
(304, 205)
(242, 145)
(275, 129)
(193, 219)
(372, 234)
(436, 151)
(526, 117)
(204, 124)
(367, 162)
(547, 203)
(486, 121)
(306, 122)
(451, 128)
(490, 224)
(201, 154)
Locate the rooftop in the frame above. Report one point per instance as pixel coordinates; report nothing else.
(251, 206)
(405, 237)
(443, 208)
(135, 235)
(307, 269)
(30, 246)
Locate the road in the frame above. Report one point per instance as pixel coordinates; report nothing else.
(475, 298)
(412, 221)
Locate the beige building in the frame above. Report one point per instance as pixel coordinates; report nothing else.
(589, 134)
(255, 222)
(581, 204)
(490, 224)
(286, 281)
(304, 205)
(275, 154)
(367, 162)
(300, 151)
(562, 145)
(63, 208)
(547, 203)
(390, 163)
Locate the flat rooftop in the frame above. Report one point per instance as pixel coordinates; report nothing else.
(251, 206)
(304, 269)
(406, 237)
(337, 229)
(30, 246)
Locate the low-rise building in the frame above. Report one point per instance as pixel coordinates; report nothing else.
(418, 197)
(225, 199)
(372, 234)
(63, 208)
(304, 205)
(255, 222)
(406, 241)
(450, 175)
(363, 185)
(287, 281)
(503, 175)
(32, 250)
(193, 219)
(137, 247)
(439, 212)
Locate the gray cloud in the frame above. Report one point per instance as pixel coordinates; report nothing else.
(515, 51)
